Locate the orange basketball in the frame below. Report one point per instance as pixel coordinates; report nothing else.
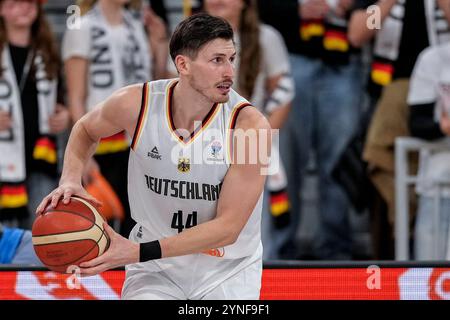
(67, 235)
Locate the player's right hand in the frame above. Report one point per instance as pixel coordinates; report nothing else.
(65, 191)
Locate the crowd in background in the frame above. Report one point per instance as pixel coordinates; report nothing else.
(339, 87)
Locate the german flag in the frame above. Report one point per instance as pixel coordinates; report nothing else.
(187, 8)
(45, 149)
(279, 208)
(279, 203)
(13, 196)
(335, 40)
(382, 73)
(113, 144)
(311, 28)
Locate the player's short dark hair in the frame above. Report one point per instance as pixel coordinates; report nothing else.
(196, 31)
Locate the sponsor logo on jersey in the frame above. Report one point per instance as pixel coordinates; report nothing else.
(216, 146)
(218, 252)
(139, 233)
(154, 154)
(216, 151)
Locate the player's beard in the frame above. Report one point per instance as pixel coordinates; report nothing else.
(203, 90)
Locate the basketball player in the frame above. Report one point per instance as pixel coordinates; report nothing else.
(198, 225)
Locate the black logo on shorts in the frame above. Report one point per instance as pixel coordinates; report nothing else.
(154, 154)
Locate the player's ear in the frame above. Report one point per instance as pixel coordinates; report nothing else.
(182, 64)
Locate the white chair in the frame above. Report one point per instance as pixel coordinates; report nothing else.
(403, 179)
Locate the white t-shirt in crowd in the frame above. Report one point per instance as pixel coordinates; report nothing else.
(125, 65)
(77, 42)
(275, 61)
(430, 83)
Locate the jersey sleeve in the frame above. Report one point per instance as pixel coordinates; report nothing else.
(76, 42)
(423, 83)
(275, 55)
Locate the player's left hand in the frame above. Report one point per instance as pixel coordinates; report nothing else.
(121, 252)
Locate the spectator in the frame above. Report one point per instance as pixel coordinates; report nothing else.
(159, 7)
(263, 77)
(325, 112)
(111, 50)
(429, 100)
(157, 26)
(407, 28)
(31, 110)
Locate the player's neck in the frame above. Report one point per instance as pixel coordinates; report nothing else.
(188, 106)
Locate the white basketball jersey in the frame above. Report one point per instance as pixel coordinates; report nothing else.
(175, 184)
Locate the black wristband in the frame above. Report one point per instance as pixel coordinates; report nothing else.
(149, 251)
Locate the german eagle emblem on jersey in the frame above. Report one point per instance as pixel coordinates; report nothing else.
(184, 165)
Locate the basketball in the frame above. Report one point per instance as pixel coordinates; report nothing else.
(69, 234)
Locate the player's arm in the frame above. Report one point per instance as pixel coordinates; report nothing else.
(117, 113)
(241, 189)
